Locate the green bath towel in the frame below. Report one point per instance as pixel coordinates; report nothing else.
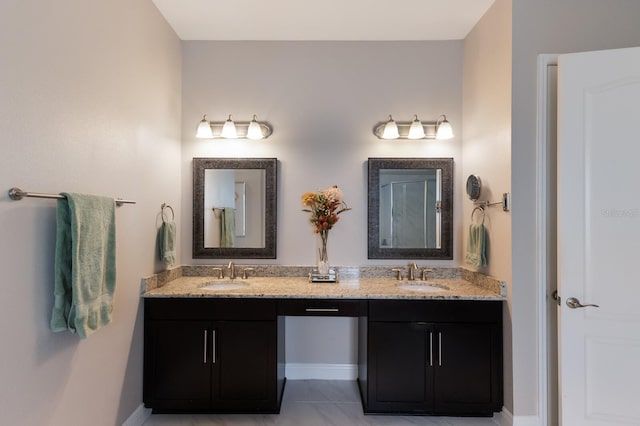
(85, 264)
(228, 227)
(477, 246)
(167, 243)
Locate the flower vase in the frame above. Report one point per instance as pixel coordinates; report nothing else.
(322, 260)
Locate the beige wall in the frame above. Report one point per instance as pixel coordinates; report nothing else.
(545, 26)
(89, 102)
(486, 148)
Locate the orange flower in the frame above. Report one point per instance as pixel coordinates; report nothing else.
(324, 206)
(309, 199)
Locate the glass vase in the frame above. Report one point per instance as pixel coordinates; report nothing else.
(322, 257)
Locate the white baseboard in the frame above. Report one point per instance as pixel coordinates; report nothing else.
(503, 418)
(527, 421)
(138, 417)
(321, 371)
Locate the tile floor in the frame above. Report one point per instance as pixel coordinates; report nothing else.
(314, 403)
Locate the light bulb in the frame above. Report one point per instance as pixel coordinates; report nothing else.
(204, 129)
(254, 131)
(390, 130)
(229, 129)
(443, 128)
(416, 131)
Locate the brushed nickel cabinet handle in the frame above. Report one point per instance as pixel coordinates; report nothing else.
(322, 310)
(430, 348)
(205, 347)
(213, 346)
(439, 349)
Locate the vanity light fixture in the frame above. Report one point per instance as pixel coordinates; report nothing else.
(415, 129)
(231, 129)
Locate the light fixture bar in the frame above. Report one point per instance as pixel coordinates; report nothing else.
(403, 130)
(242, 129)
(440, 129)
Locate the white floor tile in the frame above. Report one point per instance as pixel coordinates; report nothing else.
(314, 403)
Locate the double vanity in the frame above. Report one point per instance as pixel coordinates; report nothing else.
(427, 344)
(431, 346)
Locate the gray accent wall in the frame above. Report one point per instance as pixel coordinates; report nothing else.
(323, 100)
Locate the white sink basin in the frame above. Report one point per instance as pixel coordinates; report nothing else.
(218, 285)
(423, 286)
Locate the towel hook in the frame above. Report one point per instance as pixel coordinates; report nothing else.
(478, 208)
(167, 206)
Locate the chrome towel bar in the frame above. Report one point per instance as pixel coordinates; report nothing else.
(19, 194)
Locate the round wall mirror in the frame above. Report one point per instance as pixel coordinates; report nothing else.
(474, 187)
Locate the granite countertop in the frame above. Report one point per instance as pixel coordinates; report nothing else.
(299, 287)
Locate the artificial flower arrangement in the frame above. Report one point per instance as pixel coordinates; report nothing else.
(325, 206)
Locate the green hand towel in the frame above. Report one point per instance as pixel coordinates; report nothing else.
(167, 243)
(228, 227)
(477, 245)
(85, 264)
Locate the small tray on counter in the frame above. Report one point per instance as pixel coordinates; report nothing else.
(332, 277)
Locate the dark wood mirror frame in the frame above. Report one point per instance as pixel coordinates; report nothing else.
(446, 238)
(269, 165)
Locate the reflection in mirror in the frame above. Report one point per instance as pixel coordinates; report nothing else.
(410, 208)
(234, 208)
(409, 217)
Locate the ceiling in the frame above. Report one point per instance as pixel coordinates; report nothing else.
(322, 20)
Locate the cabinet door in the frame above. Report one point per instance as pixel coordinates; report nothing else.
(400, 371)
(179, 367)
(468, 369)
(245, 366)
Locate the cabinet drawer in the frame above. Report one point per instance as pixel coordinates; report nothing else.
(322, 307)
(210, 309)
(435, 311)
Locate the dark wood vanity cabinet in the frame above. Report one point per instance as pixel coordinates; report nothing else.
(436, 357)
(212, 355)
(432, 357)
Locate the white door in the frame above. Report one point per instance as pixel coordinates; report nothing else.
(599, 237)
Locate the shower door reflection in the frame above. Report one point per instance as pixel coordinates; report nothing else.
(409, 209)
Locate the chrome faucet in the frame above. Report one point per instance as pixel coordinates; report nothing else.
(232, 270)
(412, 267)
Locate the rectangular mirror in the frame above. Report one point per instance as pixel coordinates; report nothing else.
(410, 208)
(234, 208)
